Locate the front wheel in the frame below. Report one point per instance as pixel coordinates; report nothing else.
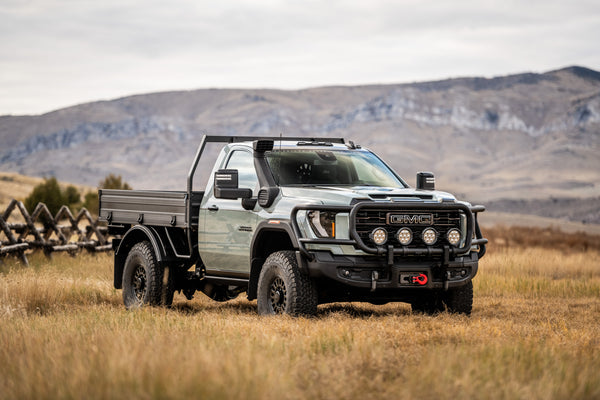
(430, 304)
(456, 300)
(283, 288)
(460, 300)
(144, 280)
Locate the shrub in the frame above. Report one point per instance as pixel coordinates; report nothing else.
(111, 181)
(90, 202)
(50, 193)
(72, 195)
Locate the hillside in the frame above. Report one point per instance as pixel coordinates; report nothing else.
(520, 138)
(15, 186)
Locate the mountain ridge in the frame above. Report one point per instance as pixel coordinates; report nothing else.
(583, 72)
(522, 136)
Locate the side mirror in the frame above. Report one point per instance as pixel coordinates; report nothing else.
(425, 181)
(226, 185)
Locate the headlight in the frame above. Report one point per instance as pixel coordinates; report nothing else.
(404, 236)
(454, 237)
(429, 236)
(322, 223)
(379, 236)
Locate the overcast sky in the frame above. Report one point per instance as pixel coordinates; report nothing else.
(56, 53)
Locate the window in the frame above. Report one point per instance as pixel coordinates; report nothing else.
(244, 163)
(337, 168)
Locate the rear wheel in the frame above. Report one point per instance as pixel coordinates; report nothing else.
(283, 288)
(144, 280)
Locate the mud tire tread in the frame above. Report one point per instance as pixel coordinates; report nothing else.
(159, 290)
(460, 300)
(301, 293)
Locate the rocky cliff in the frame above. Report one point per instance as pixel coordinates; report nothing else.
(527, 136)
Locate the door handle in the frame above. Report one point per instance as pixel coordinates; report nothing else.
(213, 208)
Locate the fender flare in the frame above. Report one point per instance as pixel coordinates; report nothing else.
(134, 235)
(269, 226)
(257, 259)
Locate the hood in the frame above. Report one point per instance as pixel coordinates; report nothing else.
(335, 195)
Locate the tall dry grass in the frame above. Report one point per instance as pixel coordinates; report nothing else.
(509, 237)
(533, 334)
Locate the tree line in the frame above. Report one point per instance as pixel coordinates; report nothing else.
(50, 193)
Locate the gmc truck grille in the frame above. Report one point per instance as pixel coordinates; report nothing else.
(367, 220)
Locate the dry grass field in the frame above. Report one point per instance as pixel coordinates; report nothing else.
(534, 334)
(16, 186)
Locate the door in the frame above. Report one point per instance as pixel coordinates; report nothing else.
(224, 244)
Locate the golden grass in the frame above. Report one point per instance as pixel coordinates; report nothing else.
(534, 334)
(16, 186)
(549, 238)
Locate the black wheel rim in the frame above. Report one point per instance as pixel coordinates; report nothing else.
(277, 296)
(139, 283)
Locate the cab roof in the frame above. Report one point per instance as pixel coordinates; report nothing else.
(305, 144)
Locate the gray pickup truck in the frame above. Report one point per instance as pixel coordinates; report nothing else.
(296, 222)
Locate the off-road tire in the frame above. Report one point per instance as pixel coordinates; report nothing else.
(283, 288)
(460, 300)
(429, 303)
(145, 282)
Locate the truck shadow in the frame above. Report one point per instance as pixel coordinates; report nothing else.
(360, 310)
(226, 307)
(353, 310)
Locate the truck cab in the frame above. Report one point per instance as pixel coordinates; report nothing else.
(297, 222)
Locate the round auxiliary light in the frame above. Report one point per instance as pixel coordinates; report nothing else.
(404, 236)
(379, 236)
(429, 236)
(453, 237)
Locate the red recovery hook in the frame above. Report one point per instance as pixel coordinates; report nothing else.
(421, 279)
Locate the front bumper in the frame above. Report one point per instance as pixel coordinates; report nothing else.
(473, 237)
(375, 273)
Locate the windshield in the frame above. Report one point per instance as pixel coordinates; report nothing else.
(330, 168)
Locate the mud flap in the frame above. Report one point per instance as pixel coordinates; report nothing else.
(302, 265)
(445, 273)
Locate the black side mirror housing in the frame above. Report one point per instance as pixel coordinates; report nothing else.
(425, 181)
(226, 185)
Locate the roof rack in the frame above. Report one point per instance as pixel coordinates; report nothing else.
(235, 139)
(305, 143)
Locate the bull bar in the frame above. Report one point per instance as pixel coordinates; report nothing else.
(390, 250)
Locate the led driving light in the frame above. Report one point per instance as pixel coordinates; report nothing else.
(453, 237)
(404, 236)
(379, 236)
(429, 236)
(322, 223)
